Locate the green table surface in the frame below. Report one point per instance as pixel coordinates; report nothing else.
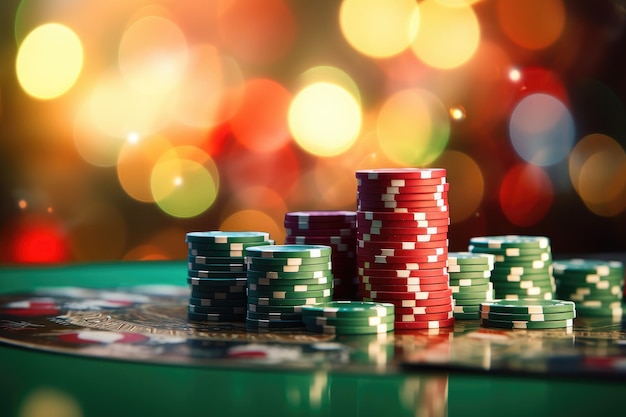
(93, 387)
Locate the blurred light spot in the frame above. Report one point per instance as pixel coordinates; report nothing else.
(335, 184)
(135, 163)
(256, 32)
(379, 28)
(324, 119)
(36, 240)
(448, 33)
(331, 75)
(532, 24)
(254, 221)
(93, 145)
(49, 210)
(183, 187)
(261, 122)
(526, 194)
(211, 89)
(98, 232)
(540, 80)
(541, 130)
(133, 138)
(153, 55)
(277, 170)
(49, 61)
(457, 113)
(467, 185)
(22, 204)
(597, 168)
(49, 402)
(413, 127)
(117, 110)
(515, 75)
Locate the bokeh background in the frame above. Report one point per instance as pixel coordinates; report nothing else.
(126, 124)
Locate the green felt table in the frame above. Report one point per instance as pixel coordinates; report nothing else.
(104, 387)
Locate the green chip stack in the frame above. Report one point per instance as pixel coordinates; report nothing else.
(522, 268)
(595, 286)
(216, 273)
(470, 282)
(349, 317)
(528, 314)
(281, 279)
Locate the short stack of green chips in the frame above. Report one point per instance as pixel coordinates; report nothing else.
(349, 317)
(470, 282)
(281, 279)
(528, 314)
(596, 286)
(216, 273)
(522, 268)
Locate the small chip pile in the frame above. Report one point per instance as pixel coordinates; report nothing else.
(470, 283)
(402, 244)
(349, 317)
(216, 273)
(595, 286)
(527, 314)
(336, 229)
(283, 278)
(522, 267)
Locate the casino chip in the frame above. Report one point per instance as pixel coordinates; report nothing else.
(216, 273)
(470, 281)
(595, 286)
(402, 223)
(349, 317)
(522, 266)
(284, 278)
(527, 314)
(335, 230)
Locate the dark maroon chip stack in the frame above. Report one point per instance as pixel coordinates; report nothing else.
(336, 229)
(402, 244)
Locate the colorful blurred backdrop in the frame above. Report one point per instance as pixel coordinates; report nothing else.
(125, 124)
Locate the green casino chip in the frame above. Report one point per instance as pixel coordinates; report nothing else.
(282, 295)
(510, 252)
(471, 295)
(347, 322)
(468, 282)
(268, 301)
(466, 316)
(327, 281)
(511, 241)
(350, 309)
(350, 330)
(467, 309)
(469, 268)
(218, 236)
(290, 251)
(195, 273)
(570, 315)
(587, 266)
(600, 311)
(266, 309)
(468, 258)
(290, 268)
(527, 325)
(531, 306)
(298, 288)
(274, 316)
(238, 310)
(263, 262)
(471, 275)
(272, 324)
(290, 275)
(216, 317)
(464, 302)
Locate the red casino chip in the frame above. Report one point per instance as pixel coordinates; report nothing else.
(319, 225)
(445, 308)
(404, 288)
(417, 325)
(345, 232)
(401, 173)
(402, 273)
(412, 216)
(402, 231)
(102, 337)
(412, 318)
(432, 280)
(366, 195)
(448, 301)
(409, 266)
(320, 240)
(409, 295)
(423, 189)
(429, 205)
(439, 251)
(418, 238)
(404, 245)
(403, 224)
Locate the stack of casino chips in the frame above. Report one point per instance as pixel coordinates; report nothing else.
(595, 286)
(470, 275)
(282, 279)
(522, 267)
(402, 244)
(217, 273)
(528, 314)
(349, 317)
(336, 229)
